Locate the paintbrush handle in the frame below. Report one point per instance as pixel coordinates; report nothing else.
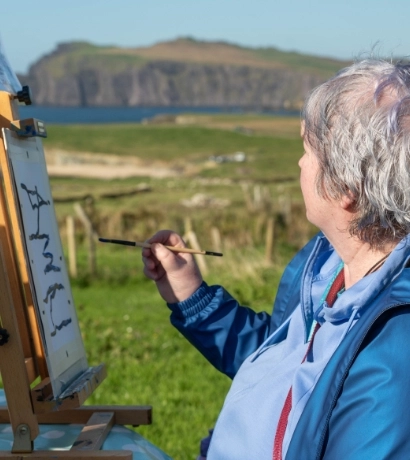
(185, 250)
(188, 250)
(171, 248)
(141, 245)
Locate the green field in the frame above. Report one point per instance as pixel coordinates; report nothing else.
(124, 322)
(270, 155)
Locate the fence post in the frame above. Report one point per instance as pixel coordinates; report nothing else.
(92, 265)
(257, 196)
(248, 200)
(216, 239)
(269, 240)
(193, 242)
(187, 226)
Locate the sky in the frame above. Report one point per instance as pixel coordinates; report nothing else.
(342, 29)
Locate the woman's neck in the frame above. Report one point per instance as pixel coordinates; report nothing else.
(361, 260)
(358, 257)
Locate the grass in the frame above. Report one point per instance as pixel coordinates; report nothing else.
(159, 142)
(280, 127)
(148, 362)
(78, 56)
(269, 156)
(124, 322)
(325, 67)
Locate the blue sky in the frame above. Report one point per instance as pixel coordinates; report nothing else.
(342, 29)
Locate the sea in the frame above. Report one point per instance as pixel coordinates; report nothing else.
(80, 115)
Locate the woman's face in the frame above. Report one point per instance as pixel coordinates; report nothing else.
(319, 210)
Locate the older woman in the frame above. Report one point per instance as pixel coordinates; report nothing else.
(327, 375)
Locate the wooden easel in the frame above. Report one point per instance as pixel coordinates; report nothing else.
(22, 358)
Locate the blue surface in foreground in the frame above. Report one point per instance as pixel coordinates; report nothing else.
(73, 115)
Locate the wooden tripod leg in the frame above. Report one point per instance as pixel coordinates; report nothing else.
(13, 371)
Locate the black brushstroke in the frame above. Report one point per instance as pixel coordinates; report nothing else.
(51, 293)
(36, 202)
(40, 236)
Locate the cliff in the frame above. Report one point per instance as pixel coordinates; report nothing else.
(183, 72)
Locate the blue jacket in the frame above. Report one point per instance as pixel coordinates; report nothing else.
(360, 407)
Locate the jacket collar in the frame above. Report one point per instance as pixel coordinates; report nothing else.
(319, 270)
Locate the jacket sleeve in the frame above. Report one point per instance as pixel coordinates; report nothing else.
(227, 333)
(222, 330)
(372, 416)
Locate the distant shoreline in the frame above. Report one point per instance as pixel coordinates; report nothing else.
(84, 115)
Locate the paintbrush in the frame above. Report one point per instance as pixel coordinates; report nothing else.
(171, 248)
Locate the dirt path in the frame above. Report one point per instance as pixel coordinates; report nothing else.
(101, 166)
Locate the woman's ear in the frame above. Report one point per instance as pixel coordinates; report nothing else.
(347, 202)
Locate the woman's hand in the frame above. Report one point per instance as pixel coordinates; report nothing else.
(176, 275)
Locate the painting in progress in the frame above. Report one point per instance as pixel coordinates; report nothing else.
(56, 314)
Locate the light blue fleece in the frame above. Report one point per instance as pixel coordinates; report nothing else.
(251, 411)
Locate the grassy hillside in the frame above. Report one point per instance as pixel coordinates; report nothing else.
(70, 56)
(191, 50)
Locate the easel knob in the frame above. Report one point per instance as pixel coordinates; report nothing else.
(24, 95)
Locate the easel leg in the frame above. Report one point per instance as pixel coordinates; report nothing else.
(93, 434)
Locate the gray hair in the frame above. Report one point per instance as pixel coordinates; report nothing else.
(358, 124)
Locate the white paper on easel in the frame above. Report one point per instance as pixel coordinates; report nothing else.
(56, 314)
(8, 79)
